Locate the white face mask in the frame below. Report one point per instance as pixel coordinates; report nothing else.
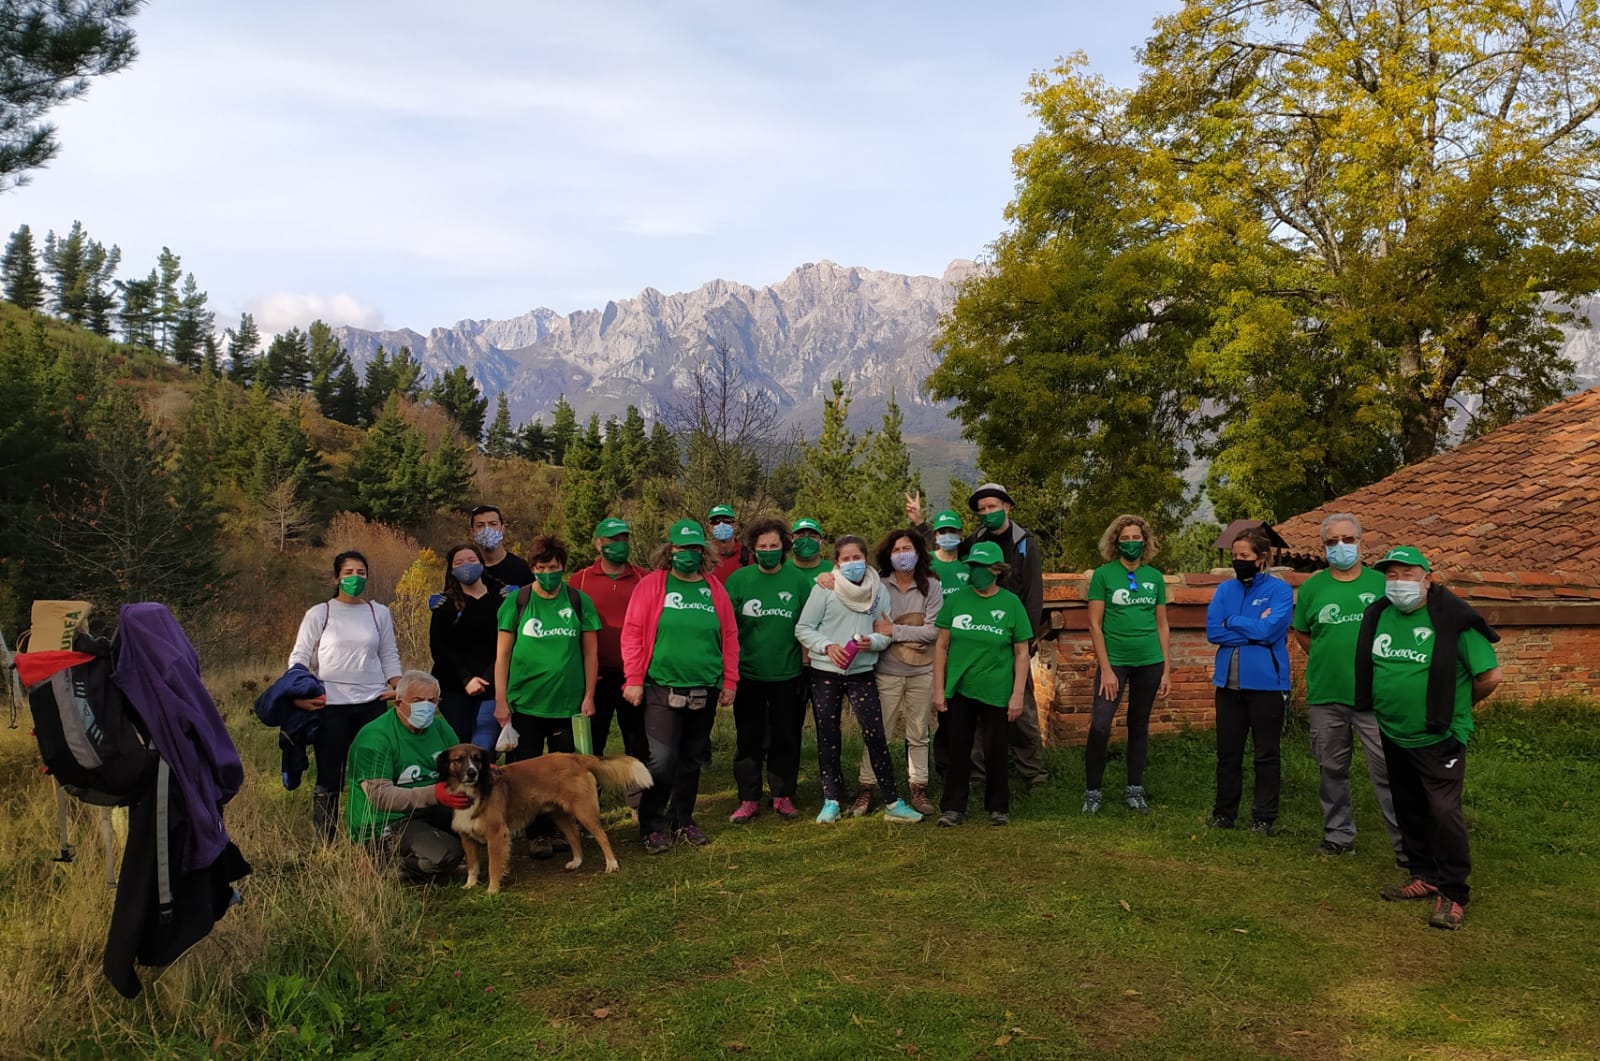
(1407, 596)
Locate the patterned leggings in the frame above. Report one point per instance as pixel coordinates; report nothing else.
(828, 692)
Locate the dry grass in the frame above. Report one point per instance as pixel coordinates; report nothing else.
(310, 916)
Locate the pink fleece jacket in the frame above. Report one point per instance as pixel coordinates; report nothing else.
(644, 616)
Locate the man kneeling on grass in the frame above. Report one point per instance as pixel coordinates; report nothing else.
(397, 805)
(1423, 658)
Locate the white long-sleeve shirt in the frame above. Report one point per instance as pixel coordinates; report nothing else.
(350, 647)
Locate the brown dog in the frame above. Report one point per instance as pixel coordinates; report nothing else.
(505, 799)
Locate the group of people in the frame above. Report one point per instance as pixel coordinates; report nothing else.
(926, 633)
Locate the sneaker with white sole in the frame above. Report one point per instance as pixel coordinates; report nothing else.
(747, 810)
(1092, 801)
(950, 819)
(1415, 888)
(829, 813)
(900, 811)
(1135, 799)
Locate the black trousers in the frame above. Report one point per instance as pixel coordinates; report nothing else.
(337, 727)
(535, 736)
(1256, 715)
(964, 719)
(1139, 685)
(768, 718)
(680, 747)
(1426, 784)
(609, 704)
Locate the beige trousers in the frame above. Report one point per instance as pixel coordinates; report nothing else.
(908, 699)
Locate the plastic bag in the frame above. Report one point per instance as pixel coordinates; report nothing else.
(508, 738)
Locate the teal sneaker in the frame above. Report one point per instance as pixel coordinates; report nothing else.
(900, 811)
(830, 812)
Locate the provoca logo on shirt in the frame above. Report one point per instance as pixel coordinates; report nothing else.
(678, 602)
(753, 609)
(969, 622)
(1125, 596)
(1333, 615)
(535, 628)
(414, 773)
(1383, 647)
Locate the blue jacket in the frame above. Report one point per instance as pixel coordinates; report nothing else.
(276, 706)
(1253, 621)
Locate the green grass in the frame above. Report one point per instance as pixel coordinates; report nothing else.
(1061, 936)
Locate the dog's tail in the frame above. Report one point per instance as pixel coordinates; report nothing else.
(619, 773)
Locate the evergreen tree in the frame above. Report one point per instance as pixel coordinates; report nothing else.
(406, 374)
(193, 326)
(169, 268)
(50, 51)
(344, 403)
(886, 476)
(286, 367)
(585, 491)
(377, 383)
(457, 394)
(563, 430)
(242, 344)
(450, 476)
(635, 445)
(80, 278)
(614, 468)
(211, 356)
(499, 441)
(532, 442)
(830, 485)
(664, 461)
(100, 299)
(285, 480)
(139, 312)
(19, 271)
(328, 361)
(391, 477)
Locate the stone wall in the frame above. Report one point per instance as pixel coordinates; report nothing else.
(1549, 623)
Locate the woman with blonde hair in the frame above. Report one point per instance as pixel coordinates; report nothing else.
(1132, 643)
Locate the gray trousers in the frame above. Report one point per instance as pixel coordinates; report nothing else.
(1333, 729)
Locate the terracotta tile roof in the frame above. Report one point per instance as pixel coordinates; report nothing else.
(1525, 496)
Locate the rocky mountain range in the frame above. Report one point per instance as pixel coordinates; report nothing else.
(872, 329)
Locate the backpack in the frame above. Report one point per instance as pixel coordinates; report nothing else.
(89, 736)
(525, 594)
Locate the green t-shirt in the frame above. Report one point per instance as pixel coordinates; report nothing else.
(1402, 649)
(952, 575)
(547, 657)
(1129, 624)
(810, 573)
(766, 607)
(1330, 611)
(688, 649)
(385, 748)
(982, 633)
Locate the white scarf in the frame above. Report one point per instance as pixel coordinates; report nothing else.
(856, 598)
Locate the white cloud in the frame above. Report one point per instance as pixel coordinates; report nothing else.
(279, 313)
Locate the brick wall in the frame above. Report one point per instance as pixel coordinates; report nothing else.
(1549, 623)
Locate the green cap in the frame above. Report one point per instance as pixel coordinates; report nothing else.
(1404, 554)
(985, 553)
(949, 519)
(687, 532)
(721, 512)
(610, 527)
(806, 523)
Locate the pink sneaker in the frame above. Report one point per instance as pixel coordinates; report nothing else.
(785, 808)
(747, 810)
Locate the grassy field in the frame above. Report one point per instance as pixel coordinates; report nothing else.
(1058, 937)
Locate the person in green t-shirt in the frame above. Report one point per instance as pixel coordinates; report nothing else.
(680, 660)
(806, 548)
(1132, 642)
(947, 565)
(980, 672)
(769, 708)
(545, 666)
(1327, 616)
(1424, 720)
(396, 805)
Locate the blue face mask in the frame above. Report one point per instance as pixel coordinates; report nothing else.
(1343, 556)
(903, 561)
(854, 570)
(948, 542)
(467, 574)
(489, 537)
(422, 712)
(722, 532)
(1407, 596)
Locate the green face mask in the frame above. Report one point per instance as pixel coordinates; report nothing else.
(980, 578)
(686, 562)
(616, 552)
(995, 520)
(1131, 550)
(769, 559)
(549, 581)
(353, 585)
(806, 547)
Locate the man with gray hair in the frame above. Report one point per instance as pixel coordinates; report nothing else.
(1327, 617)
(397, 805)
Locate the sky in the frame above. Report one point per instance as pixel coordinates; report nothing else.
(406, 164)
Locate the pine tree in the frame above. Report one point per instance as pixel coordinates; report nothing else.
(99, 296)
(139, 311)
(285, 480)
(242, 344)
(585, 490)
(286, 367)
(885, 476)
(532, 442)
(65, 261)
(328, 360)
(211, 356)
(168, 300)
(457, 394)
(390, 476)
(563, 430)
(19, 271)
(830, 485)
(377, 383)
(344, 404)
(499, 441)
(664, 461)
(406, 373)
(194, 324)
(450, 476)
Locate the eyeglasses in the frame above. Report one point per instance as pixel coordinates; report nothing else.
(721, 519)
(1133, 580)
(1345, 539)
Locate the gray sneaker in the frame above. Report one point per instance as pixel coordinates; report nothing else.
(1134, 798)
(1091, 801)
(950, 819)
